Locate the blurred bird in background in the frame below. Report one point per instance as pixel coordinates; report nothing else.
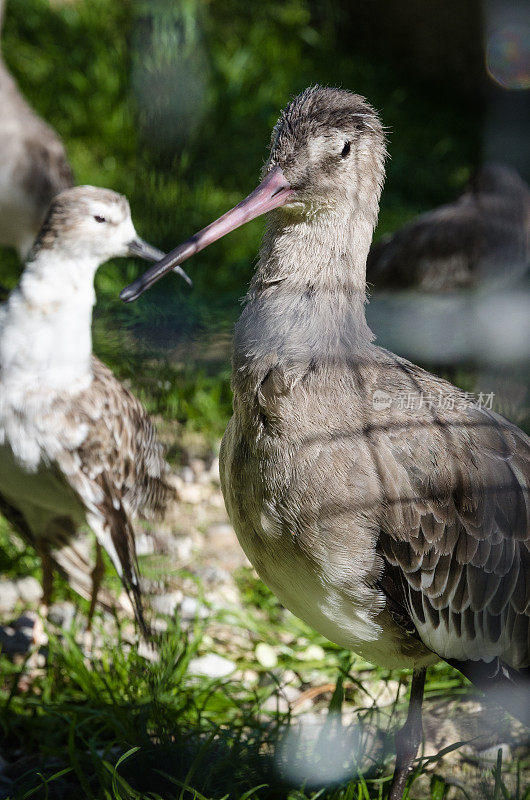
(34, 166)
(481, 238)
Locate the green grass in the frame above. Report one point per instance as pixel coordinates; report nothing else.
(122, 727)
(118, 726)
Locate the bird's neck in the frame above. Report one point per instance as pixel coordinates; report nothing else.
(46, 338)
(306, 303)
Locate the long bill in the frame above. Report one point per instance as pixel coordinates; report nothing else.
(272, 192)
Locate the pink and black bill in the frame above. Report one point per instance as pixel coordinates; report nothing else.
(272, 192)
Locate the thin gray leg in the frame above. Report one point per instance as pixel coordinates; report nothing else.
(408, 738)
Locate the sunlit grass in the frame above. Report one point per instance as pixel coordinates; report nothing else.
(119, 726)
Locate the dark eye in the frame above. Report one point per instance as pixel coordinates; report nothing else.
(99, 219)
(345, 149)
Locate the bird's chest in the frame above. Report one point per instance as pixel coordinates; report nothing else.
(307, 542)
(306, 531)
(33, 425)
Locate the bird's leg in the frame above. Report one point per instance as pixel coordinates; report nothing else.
(47, 579)
(408, 738)
(97, 577)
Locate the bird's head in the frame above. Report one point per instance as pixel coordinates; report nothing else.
(327, 157)
(89, 223)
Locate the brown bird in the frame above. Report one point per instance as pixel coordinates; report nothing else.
(482, 237)
(379, 504)
(76, 447)
(34, 166)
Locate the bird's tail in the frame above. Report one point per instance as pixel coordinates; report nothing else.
(502, 685)
(75, 561)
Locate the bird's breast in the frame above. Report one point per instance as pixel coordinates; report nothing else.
(310, 542)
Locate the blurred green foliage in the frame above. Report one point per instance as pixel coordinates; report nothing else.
(172, 104)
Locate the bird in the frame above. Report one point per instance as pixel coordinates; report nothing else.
(480, 239)
(377, 501)
(76, 447)
(34, 166)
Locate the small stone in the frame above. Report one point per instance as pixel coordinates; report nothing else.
(213, 472)
(276, 703)
(147, 650)
(266, 655)
(62, 614)
(312, 653)
(186, 473)
(191, 493)
(221, 531)
(198, 466)
(29, 590)
(249, 677)
(211, 666)
(145, 545)
(217, 500)
(183, 548)
(166, 603)
(158, 625)
(489, 755)
(8, 596)
(190, 609)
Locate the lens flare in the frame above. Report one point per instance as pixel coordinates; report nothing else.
(508, 56)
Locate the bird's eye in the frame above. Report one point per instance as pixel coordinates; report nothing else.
(345, 149)
(99, 219)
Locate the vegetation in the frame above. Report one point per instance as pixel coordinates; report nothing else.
(172, 103)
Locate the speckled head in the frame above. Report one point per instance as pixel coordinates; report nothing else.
(327, 142)
(87, 222)
(327, 157)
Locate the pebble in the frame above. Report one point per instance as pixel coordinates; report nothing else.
(488, 756)
(166, 603)
(145, 545)
(276, 703)
(312, 653)
(199, 467)
(182, 546)
(190, 609)
(62, 614)
(29, 590)
(211, 666)
(213, 472)
(191, 493)
(266, 655)
(216, 500)
(220, 531)
(8, 596)
(186, 473)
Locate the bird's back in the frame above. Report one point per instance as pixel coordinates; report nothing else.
(481, 237)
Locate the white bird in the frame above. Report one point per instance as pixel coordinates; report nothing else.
(76, 447)
(33, 166)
